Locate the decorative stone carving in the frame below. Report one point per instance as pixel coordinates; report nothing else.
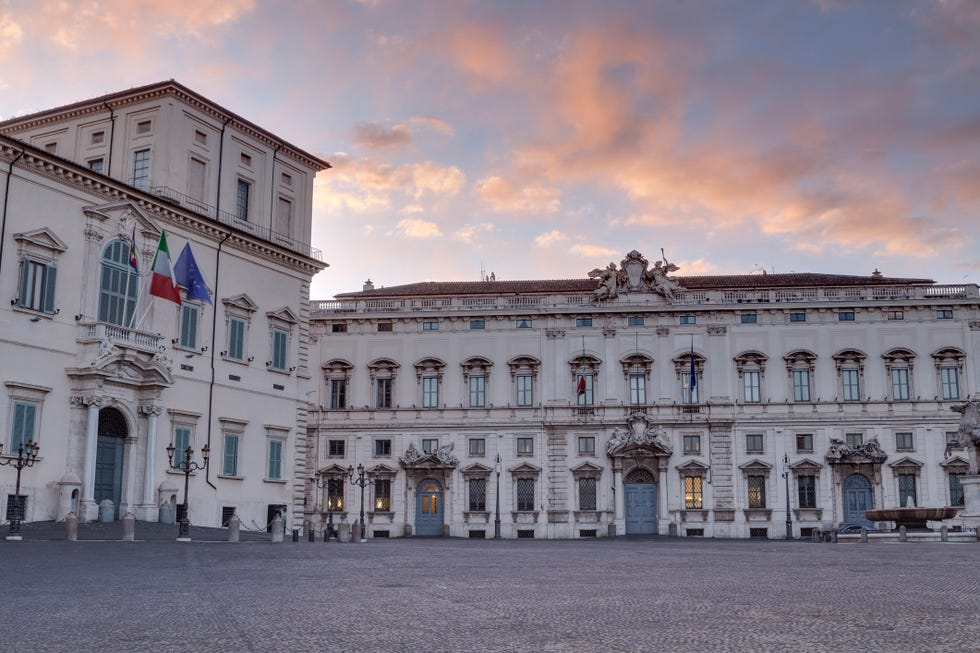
(639, 434)
(869, 452)
(635, 275)
(717, 330)
(150, 409)
(441, 457)
(552, 334)
(969, 432)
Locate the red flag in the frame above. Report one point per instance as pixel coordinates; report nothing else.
(163, 284)
(581, 384)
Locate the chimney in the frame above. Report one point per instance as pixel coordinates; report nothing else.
(368, 285)
(876, 274)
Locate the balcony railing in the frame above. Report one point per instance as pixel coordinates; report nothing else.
(120, 336)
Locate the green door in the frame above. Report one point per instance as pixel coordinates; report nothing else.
(108, 470)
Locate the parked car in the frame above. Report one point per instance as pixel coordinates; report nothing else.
(854, 529)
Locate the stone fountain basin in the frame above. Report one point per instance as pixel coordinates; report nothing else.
(903, 515)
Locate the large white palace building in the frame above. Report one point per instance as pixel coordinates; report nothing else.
(102, 376)
(631, 401)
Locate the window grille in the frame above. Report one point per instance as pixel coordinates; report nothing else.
(525, 494)
(478, 494)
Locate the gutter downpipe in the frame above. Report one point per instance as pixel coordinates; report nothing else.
(272, 191)
(214, 321)
(6, 194)
(112, 138)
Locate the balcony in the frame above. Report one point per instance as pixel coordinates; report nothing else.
(97, 333)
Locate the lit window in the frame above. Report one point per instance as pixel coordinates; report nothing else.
(382, 495)
(757, 491)
(693, 496)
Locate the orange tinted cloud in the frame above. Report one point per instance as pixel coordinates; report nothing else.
(374, 136)
(502, 194)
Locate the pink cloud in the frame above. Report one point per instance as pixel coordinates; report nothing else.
(374, 136)
(502, 194)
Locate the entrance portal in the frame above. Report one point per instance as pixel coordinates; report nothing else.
(857, 499)
(428, 508)
(109, 457)
(640, 501)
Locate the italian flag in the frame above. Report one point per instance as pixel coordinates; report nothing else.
(163, 284)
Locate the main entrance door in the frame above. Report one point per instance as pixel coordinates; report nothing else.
(640, 500)
(109, 457)
(857, 499)
(428, 508)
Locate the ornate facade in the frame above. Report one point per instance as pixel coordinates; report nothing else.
(633, 401)
(101, 375)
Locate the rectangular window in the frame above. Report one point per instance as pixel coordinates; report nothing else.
(687, 319)
(804, 442)
(944, 314)
(97, 138)
(382, 448)
(96, 165)
(757, 491)
(477, 490)
(953, 438)
(524, 323)
(851, 384)
(242, 192)
(335, 494)
(584, 389)
(336, 448)
(478, 446)
(750, 384)
(286, 179)
(754, 443)
(587, 494)
(583, 321)
(430, 392)
(51, 148)
(586, 445)
(23, 428)
(806, 489)
(284, 217)
(338, 394)
(525, 446)
(906, 491)
(430, 326)
(429, 445)
(854, 440)
(904, 442)
(246, 160)
(37, 283)
(229, 465)
(189, 314)
(182, 440)
(693, 496)
(275, 460)
(385, 327)
(689, 391)
(236, 338)
(956, 490)
(845, 316)
(478, 324)
(634, 320)
(338, 327)
(692, 444)
(201, 138)
(196, 175)
(525, 494)
(797, 317)
(141, 169)
(382, 495)
(801, 385)
(950, 380)
(280, 346)
(478, 391)
(143, 127)
(525, 389)
(895, 315)
(382, 393)
(749, 318)
(638, 389)
(900, 384)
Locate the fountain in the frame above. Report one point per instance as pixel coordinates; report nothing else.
(912, 518)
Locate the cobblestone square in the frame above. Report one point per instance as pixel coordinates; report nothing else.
(463, 595)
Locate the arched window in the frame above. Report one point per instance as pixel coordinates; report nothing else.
(117, 285)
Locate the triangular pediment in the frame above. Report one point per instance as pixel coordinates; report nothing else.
(43, 238)
(755, 465)
(476, 469)
(382, 470)
(956, 462)
(805, 465)
(242, 302)
(525, 468)
(692, 465)
(283, 314)
(588, 467)
(332, 471)
(125, 212)
(905, 461)
(125, 367)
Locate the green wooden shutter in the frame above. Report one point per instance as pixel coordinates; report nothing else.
(50, 274)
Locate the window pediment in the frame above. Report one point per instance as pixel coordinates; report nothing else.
(587, 363)
(692, 468)
(525, 469)
(799, 359)
(476, 365)
(899, 356)
(949, 356)
(284, 314)
(586, 469)
(956, 465)
(806, 466)
(849, 357)
(751, 360)
(638, 362)
(682, 363)
(520, 364)
(476, 469)
(337, 366)
(430, 366)
(756, 467)
(382, 471)
(242, 303)
(40, 239)
(332, 471)
(906, 463)
(383, 368)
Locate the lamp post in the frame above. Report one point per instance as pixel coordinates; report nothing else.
(789, 520)
(26, 457)
(333, 485)
(186, 466)
(362, 482)
(496, 517)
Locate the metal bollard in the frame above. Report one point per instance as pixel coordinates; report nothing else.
(129, 527)
(295, 535)
(71, 527)
(234, 528)
(312, 535)
(326, 534)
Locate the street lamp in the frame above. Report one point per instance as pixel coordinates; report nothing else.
(333, 486)
(362, 482)
(496, 517)
(187, 466)
(26, 457)
(789, 520)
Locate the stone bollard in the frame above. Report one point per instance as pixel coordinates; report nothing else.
(326, 534)
(944, 533)
(277, 530)
(902, 534)
(815, 535)
(356, 532)
(129, 527)
(343, 532)
(71, 527)
(107, 512)
(833, 537)
(234, 528)
(864, 534)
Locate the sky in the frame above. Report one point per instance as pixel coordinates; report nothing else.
(541, 139)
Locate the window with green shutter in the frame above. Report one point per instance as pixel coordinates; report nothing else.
(22, 429)
(275, 460)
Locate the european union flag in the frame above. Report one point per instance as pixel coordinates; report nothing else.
(189, 276)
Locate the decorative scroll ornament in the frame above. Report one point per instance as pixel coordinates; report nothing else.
(441, 457)
(638, 435)
(636, 276)
(869, 452)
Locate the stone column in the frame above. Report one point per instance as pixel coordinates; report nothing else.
(89, 510)
(970, 513)
(620, 507)
(148, 510)
(663, 505)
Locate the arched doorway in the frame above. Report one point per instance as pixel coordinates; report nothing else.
(640, 502)
(857, 499)
(428, 508)
(109, 457)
